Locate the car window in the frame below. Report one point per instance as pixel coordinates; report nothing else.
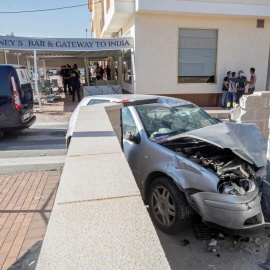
(97, 101)
(160, 121)
(128, 123)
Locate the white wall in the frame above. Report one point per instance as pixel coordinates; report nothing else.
(259, 8)
(240, 46)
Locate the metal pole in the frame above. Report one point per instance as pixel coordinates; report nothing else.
(133, 70)
(18, 60)
(28, 66)
(5, 56)
(36, 78)
(86, 71)
(44, 69)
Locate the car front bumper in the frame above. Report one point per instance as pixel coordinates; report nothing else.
(231, 212)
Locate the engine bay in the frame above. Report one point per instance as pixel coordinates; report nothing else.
(236, 176)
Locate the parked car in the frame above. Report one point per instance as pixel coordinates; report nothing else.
(54, 71)
(16, 98)
(184, 161)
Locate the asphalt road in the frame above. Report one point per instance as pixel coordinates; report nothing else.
(40, 148)
(186, 252)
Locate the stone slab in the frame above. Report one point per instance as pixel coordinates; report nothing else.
(93, 125)
(106, 234)
(94, 177)
(89, 145)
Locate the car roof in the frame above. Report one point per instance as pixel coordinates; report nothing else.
(136, 97)
(11, 65)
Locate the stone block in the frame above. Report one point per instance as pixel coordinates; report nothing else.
(262, 114)
(254, 102)
(115, 117)
(94, 144)
(104, 234)
(93, 125)
(242, 115)
(95, 177)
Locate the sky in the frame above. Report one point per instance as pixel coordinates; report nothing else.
(69, 23)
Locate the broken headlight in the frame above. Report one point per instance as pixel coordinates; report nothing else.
(232, 188)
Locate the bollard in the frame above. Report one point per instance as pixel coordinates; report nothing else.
(266, 265)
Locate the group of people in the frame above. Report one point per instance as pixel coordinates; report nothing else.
(71, 79)
(99, 71)
(233, 87)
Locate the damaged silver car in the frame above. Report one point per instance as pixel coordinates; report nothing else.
(185, 161)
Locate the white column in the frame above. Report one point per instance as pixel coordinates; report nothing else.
(44, 70)
(18, 58)
(133, 77)
(86, 70)
(28, 66)
(36, 78)
(5, 56)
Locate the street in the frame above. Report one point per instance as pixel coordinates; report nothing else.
(40, 148)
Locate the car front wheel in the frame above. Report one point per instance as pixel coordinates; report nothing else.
(168, 206)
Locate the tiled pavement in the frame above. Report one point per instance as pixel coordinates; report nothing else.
(26, 201)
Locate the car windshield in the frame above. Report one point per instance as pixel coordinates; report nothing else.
(162, 122)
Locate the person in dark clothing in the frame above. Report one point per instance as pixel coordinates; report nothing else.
(225, 88)
(75, 82)
(108, 72)
(97, 71)
(241, 86)
(101, 72)
(66, 79)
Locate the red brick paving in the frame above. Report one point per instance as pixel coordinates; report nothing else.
(23, 215)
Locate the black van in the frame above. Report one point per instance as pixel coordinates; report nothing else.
(16, 98)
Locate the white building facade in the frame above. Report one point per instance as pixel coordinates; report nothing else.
(184, 48)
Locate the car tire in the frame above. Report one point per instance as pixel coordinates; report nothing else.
(168, 206)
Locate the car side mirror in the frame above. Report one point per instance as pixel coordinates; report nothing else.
(133, 138)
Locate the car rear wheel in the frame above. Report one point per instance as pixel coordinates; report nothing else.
(168, 206)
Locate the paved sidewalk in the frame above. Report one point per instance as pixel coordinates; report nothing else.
(26, 201)
(59, 110)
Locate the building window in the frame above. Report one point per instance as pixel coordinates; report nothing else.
(197, 55)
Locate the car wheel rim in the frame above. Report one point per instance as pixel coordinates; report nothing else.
(163, 206)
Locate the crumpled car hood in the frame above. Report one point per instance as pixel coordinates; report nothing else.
(245, 140)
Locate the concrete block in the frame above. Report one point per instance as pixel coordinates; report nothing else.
(94, 144)
(254, 102)
(115, 117)
(86, 113)
(94, 177)
(93, 125)
(241, 115)
(262, 124)
(105, 234)
(262, 114)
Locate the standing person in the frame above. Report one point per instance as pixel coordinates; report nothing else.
(252, 82)
(75, 82)
(242, 80)
(101, 72)
(66, 77)
(225, 88)
(108, 72)
(97, 71)
(232, 92)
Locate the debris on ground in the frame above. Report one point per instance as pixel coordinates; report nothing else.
(38, 197)
(213, 242)
(185, 242)
(249, 250)
(204, 232)
(221, 236)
